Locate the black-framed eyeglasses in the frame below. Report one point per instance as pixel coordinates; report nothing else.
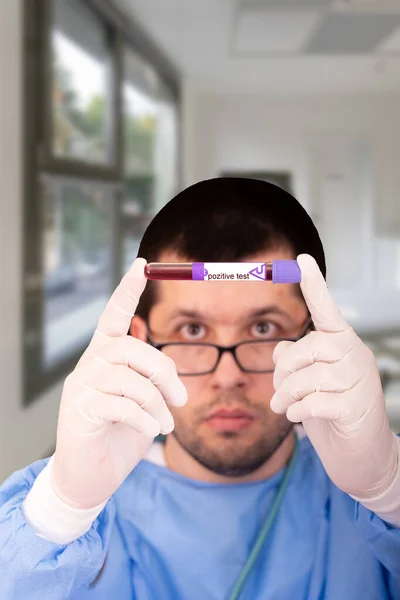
(202, 358)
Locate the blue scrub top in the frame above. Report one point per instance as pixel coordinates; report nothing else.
(165, 536)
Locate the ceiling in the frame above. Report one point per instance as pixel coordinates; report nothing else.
(279, 46)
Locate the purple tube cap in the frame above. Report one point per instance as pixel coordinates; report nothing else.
(285, 271)
(198, 271)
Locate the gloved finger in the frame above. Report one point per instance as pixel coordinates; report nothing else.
(319, 377)
(323, 309)
(120, 380)
(150, 363)
(281, 349)
(98, 409)
(117, 315)
(317, 346)
(319, 405)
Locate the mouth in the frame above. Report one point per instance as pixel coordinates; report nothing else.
(226, 419)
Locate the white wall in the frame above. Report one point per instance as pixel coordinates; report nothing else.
(25, 435)
(227, 132)
(261, 132)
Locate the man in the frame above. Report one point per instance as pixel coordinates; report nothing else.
(233, 505)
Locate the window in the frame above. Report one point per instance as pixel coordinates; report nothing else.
(80, 73)
(150, 144)
(101, 157)
(77, 244)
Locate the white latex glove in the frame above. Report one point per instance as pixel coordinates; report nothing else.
(329, 381)
(113, 405)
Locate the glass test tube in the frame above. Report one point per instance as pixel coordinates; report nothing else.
(277, 271)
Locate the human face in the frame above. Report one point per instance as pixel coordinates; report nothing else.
(227, 424)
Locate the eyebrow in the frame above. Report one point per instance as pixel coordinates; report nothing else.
(260, 312)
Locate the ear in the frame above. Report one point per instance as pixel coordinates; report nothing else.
(138, 328)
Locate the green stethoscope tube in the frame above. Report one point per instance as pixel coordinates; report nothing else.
(262, 536)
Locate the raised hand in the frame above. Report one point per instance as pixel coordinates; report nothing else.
(329, 381)
(113, 404)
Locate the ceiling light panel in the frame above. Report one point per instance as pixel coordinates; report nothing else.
(274, 31)
(352, 33)
(297, 4)
(392, 43)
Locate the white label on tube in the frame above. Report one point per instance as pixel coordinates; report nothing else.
(235, 271)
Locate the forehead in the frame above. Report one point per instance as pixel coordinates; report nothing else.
(221, 301)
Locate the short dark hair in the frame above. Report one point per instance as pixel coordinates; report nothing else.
(228, 219)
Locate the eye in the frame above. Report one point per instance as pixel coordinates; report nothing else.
(192, 331)
(264, 329)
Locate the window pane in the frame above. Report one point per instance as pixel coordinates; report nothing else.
(80, 72)
(77, 263)
(133, 230)
(151, 142)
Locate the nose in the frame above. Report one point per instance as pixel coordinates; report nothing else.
(228, 374)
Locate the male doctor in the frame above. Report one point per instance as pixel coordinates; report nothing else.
(234, 504)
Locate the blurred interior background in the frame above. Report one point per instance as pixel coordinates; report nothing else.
(108, 108)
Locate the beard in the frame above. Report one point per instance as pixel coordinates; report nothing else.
(233, 453)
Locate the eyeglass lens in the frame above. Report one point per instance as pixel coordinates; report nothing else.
(193, 359)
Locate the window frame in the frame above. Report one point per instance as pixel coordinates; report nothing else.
(39, 160)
